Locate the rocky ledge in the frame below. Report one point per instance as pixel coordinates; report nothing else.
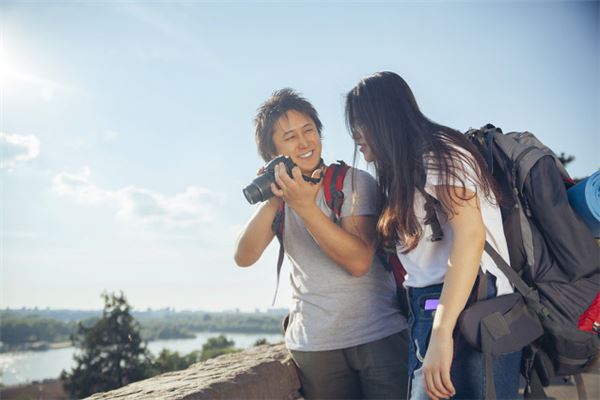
(262, 372)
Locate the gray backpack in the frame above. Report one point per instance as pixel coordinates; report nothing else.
(554, 259)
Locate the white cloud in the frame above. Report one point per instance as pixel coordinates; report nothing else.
(79, 187)
(193, 206)
(15, 148)
(136, 205)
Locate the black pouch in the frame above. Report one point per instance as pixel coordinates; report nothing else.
(500, 325)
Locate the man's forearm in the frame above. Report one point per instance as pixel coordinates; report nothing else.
(348, 250)
(257, 235)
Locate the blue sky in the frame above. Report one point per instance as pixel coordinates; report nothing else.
(126, 127)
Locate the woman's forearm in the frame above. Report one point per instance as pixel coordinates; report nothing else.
(463, 263)
(463, 266)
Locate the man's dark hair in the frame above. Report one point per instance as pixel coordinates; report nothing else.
(276, 106)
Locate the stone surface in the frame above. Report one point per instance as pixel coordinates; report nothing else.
(265, 372)
(262, 372)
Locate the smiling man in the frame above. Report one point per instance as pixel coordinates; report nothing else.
(345, 331)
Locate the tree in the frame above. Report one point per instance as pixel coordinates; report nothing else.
(261, 341)
(111, 352)
(171, 361)
(216, 346)
(565, 159)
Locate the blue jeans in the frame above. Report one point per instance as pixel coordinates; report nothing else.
(468, 368)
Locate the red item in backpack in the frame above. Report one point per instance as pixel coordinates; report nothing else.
(590, 319)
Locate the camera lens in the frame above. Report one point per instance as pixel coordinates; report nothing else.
(252, 193)
(259, 189)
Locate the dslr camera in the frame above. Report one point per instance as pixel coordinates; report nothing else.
(260, 188)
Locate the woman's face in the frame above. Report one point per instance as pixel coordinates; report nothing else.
(364, 148)
(296, 136)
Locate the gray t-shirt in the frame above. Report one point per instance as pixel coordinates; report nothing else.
(331, 309)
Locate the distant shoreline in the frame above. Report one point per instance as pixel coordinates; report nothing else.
(35, 346)
(40, 330)
(44, 346)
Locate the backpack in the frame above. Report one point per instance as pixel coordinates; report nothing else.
(333, 182)
(554, 259)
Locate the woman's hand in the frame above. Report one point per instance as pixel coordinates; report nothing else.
(436, 366)
(297, 193)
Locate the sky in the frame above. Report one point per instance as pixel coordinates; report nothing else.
(126, 127)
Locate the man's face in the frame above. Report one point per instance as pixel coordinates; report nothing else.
(296, 136)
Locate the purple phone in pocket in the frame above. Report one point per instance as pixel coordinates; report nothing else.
(431, 304)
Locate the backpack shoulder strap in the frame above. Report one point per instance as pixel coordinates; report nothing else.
(431, 218)
(277, 224)
(333, 183)
(429, 206)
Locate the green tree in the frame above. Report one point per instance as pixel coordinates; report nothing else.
(171, 361)
(111, 352)
(216, 346)
(565, 159)
(261, 341)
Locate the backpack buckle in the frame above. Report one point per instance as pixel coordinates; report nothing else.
(337, 199)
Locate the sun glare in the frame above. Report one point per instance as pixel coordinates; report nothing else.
(12, 73)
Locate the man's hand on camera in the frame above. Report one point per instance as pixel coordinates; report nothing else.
(297, 193)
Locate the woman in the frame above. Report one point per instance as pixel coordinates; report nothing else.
(426, 170)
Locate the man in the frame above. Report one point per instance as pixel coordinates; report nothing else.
(345, 331)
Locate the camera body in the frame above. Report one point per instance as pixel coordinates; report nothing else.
(260, 188)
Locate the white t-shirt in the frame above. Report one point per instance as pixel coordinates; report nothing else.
(427, 263)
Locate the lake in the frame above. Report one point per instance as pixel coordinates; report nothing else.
(27, 366)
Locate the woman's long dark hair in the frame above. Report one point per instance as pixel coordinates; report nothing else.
(406, 144)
